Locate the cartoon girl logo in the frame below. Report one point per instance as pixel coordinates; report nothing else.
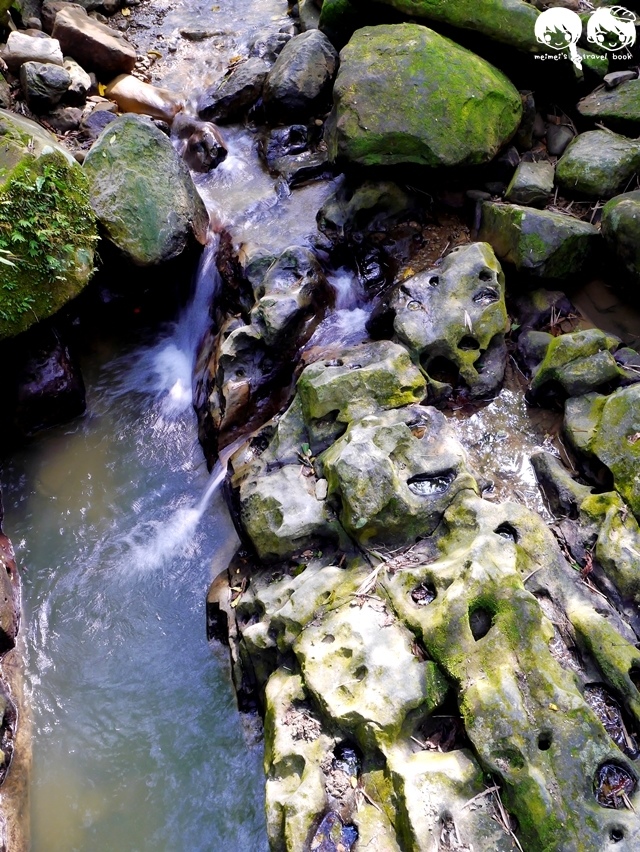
(559, 29)
(612, 29)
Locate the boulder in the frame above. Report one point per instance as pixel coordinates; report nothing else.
(510, 22)
(63, 119)
(201, 144)
(95, 46)
(232, 96)
(142, 192)
(44, 85)
(97, 118)
(50, 9)
(369, 206)
(405, 94)
(531, 184)
(621, 231)
(456, 314)
(393, 475)
(133, 95)
(21, 48)
(598, 164)
(579, 362)
(300, 80)
(47, 228)
(267, 45)
(5, 93)
(542, 244)
(80, 85)
(607, 428)
(619, 107)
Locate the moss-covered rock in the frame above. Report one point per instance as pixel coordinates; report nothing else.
(47, 228)
(531, 184)
(579, 362)
(405, 94)
(608, 428)
(618, 107)
(621, 231)
(457, 312)
(142, 192)
(394, 474)
(598, 164)
(547, 245)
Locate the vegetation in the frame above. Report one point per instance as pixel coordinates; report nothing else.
(47, 234)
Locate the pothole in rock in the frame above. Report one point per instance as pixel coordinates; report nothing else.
(431, 485)
(507, 531)
(423, 594)
(303, 724)
(613, 786)
(480, 622)
(608, 711)
(442, 732)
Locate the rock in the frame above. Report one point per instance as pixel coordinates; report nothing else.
(541, 244)
(394, 474)
(63, 119)
(365, 379)
(455, 317)
(369, 206)
(232, 96)
(532, 184)
(132, 95)
(510, 22)
(21, 48)
(50, 9)
(95, 46)
(616, 78)
(579, 362)
(267, 45)
(44, 85)
(430, 78)
(95, 121)
(202, 146)
(619, 107)
(5, 93)
(9, 609)
(621, 231)
(300, 168)
(287, 293)
(299, 82)
(598, 164)
(53, 257)
(281, 513)
(80, 86)
(50, 385)
(309, 15)
(591, 421)
(142, 192)
(558, 137)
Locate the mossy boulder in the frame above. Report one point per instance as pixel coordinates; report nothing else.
(405, 94)
(608, 428)
(552, 246)
(457, 312)
(598, 164)
(621, 231)
(393, 474)
(47, 227)
(619, 107)
(142, 192)
(579, 362)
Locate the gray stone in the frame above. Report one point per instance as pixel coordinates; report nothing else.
(619, 108)
(43, 85)
(21, 48)
(532, 184)
(50, 9)
(63, 119)
(229, 99)
(299, 82)
(142, 192)
(80, 82)
(598, 164)
(95, 121)
(268, 45)
(621, 231)
(95, 46)
(558, 137)
(616, 78)
(547, 245)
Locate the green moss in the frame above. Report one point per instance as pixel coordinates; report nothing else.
(48, 228)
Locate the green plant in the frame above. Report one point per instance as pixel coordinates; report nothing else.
(47, 234)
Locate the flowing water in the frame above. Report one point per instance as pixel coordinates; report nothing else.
(137, 741)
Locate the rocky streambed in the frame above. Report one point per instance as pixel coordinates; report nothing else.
(427, 409)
